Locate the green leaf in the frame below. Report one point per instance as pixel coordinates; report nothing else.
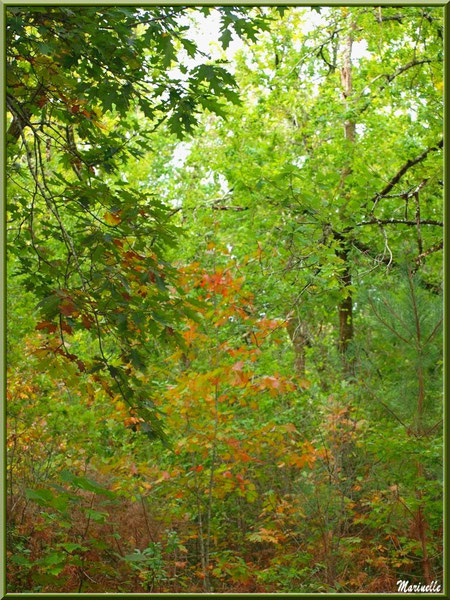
(85, 484)
(21, 560)
(71, 546)
(42, 496)
(46, 498)
(225, 38)
(95, 515)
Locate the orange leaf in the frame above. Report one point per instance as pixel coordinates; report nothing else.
(238, 366)
(304, 383)
(100, 125)
(197, 469)
(290, 427)
(112, 218)
(244, 457)
(298, 461)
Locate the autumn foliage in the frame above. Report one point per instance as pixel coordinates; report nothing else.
(237, 499)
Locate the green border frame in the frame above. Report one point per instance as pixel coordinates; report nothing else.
(445, 4)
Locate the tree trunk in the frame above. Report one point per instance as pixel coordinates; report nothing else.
(298, 339)
(345, 308)
(420, 517)
(422, 529)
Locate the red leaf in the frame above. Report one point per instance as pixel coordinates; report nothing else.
(198, 468)
(50, 327)
(66, 327)
(80, 365)
(87, 321)
(68, 308)
(42, 101)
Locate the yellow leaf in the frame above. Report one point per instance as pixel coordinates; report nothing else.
(100, 125)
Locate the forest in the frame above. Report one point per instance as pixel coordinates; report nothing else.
(224, 299)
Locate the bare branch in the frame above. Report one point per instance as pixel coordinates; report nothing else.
(419, 233)
(433, 333)
(426, 253)
(375, 221)
(237, 208)
(410, 163)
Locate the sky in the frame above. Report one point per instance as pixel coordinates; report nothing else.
(205, 32)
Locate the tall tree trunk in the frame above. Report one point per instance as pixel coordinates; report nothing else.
(345, 307)
(422, 526)
(420, 517)
(340, 444)
(346, 311)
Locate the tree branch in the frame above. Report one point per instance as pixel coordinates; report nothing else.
(229, 208)
(375, 221)
(419, 259)
(389, 79)
(410, 163)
